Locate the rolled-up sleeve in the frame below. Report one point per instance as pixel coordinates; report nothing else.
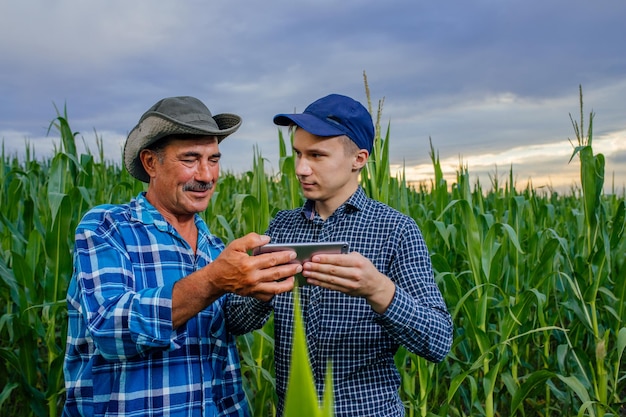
(122, 320)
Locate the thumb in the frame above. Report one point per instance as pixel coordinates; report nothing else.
(249, 242)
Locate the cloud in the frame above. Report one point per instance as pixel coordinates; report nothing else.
(70, 37)
(480, 77)
(558, 167)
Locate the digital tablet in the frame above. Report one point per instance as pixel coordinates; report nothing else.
(304, 251)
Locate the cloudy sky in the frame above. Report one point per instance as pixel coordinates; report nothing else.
(491, 83)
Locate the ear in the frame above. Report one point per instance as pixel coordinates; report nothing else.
(149, 160)
(360, 159)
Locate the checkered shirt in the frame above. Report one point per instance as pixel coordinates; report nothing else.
(123, 357)
(345, 330)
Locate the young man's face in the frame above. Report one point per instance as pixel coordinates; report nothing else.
(183, 175)
(327, 169)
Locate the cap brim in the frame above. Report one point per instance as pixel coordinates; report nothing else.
(310, 123)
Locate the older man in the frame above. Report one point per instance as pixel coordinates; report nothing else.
(147, 334)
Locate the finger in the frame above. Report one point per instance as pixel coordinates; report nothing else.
(335, 259)
(316, 269)
(281, 272)
(267, 260)
(266, 291)
(328, 282)
(249, 242)
(282, 286)
(334, 283)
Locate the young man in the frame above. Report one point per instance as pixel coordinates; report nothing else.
(147, 334)
(358, 308)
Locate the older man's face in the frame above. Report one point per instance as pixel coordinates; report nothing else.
(183, 176)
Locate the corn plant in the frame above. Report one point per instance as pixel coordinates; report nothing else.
(41, 203)
(301, 399)
(534, 279)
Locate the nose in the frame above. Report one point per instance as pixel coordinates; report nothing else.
(206, 171)
(302, 168)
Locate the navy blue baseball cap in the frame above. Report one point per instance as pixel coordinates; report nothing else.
(334, 115)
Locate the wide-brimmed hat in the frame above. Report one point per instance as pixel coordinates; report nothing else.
(174, 116)
(334, 115)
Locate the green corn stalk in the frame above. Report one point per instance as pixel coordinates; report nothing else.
(593, 265)
(301, 397)
(288, 180)
(257, 355)
(534, 280)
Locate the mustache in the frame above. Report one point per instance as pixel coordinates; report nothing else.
(198, 186)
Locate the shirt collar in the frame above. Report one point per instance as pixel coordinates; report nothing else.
(356, 202)
(144, 212)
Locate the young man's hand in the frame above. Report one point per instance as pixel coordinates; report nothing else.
(352, 274)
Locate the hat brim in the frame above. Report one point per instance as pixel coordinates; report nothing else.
(154, 126)
(311, 124)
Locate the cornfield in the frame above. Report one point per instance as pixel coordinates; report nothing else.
(535, 281)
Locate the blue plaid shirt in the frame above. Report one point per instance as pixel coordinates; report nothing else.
(123, 356)
(359, 342)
